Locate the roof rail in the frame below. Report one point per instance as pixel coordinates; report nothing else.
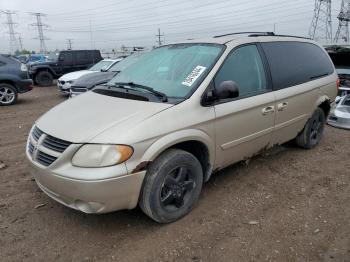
(255, 35)
(250, 33)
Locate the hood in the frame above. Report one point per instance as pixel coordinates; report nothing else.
(75, 75)
(93, 79)
(84, 117)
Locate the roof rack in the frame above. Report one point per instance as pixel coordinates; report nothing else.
(257, 34)
(250, 33)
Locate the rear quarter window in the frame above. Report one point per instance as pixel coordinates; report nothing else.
(294, 63)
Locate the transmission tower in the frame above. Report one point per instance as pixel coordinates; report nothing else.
(11, 32)
(343, 26)
(159, 38)
(69, 43)
(20, 42)
(40, 27)
(321, 25)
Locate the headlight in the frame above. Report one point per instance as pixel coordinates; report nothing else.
(24, 68)
(96, 155)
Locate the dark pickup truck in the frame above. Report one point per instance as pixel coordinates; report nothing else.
(61, 63)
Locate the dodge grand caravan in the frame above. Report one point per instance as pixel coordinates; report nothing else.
(154, 134)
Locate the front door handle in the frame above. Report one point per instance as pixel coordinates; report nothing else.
(269, 109)
(282, 106)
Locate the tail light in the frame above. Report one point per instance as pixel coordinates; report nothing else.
(338, 83)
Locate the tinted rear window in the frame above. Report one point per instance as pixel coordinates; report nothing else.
(294, 63)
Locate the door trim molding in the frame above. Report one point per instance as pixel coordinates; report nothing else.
(246, 138)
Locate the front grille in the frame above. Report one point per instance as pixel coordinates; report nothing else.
(44, 148)
(37, 133)
(56, 144)
(30, 148)
(77, 89)
(45, 159)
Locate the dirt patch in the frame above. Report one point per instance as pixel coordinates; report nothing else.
(288, 204)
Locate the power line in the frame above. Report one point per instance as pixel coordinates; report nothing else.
(11, 32)
(40, 27)
(343, 26)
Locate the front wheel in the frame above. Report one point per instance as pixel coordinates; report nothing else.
(172, 186)
(313, 130)
(8, 95)
(44, 78)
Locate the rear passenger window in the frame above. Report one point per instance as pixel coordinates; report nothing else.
(83, 56)
(294, 63)
(244, 66)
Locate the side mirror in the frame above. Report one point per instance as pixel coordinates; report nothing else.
(227, 89)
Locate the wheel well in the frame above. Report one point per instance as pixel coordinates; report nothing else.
(200, 151)
(8, 82)
(326, 107)
(46, 70)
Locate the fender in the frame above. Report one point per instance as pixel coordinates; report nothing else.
(4, 77)
(35, 69)
(174, 138)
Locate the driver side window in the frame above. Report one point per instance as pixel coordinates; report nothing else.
(245, 67)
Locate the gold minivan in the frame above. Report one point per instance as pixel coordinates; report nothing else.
(154, 133)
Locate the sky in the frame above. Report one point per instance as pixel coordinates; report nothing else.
(110, 24)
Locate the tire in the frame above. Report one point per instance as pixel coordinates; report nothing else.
(172, 186)
(313, 130)
(8, 94)
(44, 78)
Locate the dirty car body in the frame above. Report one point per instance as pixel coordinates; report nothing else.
(166, 122)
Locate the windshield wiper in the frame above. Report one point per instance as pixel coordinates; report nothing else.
(163, 96)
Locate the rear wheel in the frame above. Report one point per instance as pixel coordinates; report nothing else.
(8, 94)
(313, 130)
(44, 78)
(172, 186)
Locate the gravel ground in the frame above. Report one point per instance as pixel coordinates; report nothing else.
(288, 204)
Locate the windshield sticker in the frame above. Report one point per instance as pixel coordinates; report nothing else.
(193, 76)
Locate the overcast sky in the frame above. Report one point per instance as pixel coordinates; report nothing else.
(135, 22)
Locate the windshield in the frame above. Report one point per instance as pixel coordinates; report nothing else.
(174, 70)
(126, 62)
(53, 57)
(103, 64)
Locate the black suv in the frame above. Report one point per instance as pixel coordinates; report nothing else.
(14, 79)
(62, 63)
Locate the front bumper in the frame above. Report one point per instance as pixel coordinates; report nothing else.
(90, 196)
(64, 88)
(24, 85)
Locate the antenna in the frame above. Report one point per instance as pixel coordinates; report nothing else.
(321, 25)
(343, 26)
(11, 32)
(40, 27)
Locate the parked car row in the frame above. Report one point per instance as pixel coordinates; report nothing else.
(165, 123)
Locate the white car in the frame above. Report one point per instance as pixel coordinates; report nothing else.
(64, 82)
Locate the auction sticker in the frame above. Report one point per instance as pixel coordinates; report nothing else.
(193, 76)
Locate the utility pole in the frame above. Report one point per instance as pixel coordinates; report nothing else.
(321, 25)
(40, 27)
(159, 35)
(343, 26)
(69, 43)
(20, 42)
(11, 32)
(91, 41)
